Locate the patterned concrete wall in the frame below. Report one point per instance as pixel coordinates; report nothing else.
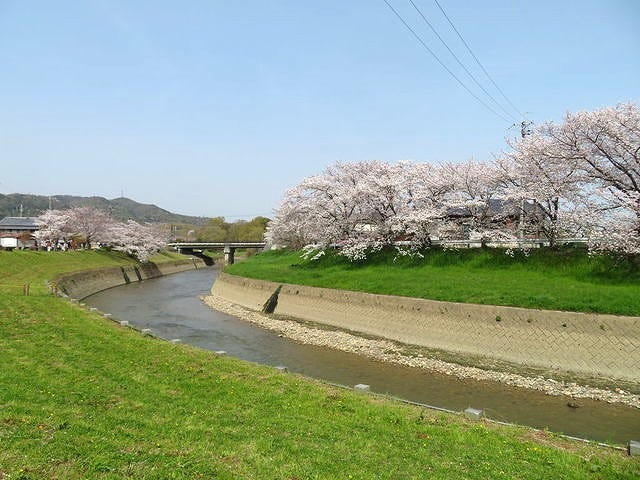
(606, 345)
(82, 284)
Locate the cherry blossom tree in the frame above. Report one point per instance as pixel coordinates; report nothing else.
(583, 175)
(579, 177)
(361, 207)
(478, 202)
(423, 216)
(326, 208)
(88, 223)
(611, 221)
(606, 142)
(139, 241)
(53, 227)
(544, 185)
(290, 226)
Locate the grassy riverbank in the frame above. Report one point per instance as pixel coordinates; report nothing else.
(19, 267)
(566, 279)
(83, 397)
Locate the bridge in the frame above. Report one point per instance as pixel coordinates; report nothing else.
(229, 249)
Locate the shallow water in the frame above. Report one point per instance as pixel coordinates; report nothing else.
(170, 307)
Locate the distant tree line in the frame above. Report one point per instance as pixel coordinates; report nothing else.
(218, 229)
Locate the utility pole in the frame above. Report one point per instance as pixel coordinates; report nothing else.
(525, 131)
(525, 128)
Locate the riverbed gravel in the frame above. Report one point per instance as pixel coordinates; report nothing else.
(388, 351)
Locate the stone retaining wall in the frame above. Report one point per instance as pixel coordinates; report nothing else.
(592, 344)
(82, 284)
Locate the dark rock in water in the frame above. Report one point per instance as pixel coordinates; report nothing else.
(573, 405)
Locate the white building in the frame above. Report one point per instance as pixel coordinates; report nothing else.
(17, 232)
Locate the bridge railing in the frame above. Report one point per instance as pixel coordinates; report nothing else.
(229, 248)
(217, 244)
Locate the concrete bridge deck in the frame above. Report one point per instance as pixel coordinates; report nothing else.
(229, 248)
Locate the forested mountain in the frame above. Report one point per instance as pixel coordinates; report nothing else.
(18, 204)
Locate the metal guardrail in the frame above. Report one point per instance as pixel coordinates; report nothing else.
(477, 242)
(518, 242)
(514, 242)
(217, 244)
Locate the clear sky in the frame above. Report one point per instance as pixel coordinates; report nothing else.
(216, 107)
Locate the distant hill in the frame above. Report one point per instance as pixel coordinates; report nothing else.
(120, 208)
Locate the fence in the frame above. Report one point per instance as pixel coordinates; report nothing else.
(514, 243)
(16, 288)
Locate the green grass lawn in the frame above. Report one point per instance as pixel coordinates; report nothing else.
(83, 397)
(20, 267)
(566, 279)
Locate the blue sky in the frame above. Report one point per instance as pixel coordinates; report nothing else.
(216, 107)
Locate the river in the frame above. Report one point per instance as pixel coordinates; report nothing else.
(170, 307)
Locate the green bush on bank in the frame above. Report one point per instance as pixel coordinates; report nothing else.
(555, 279)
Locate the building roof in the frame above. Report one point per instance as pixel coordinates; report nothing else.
(498, 206)
(19, 223)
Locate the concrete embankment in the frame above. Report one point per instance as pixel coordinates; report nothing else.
(590, 344)
(81, 284)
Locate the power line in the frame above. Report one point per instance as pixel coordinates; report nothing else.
(433, 29)
(477, 60)
(443, 64)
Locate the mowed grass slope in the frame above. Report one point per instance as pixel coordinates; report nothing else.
(83, 397)
(21, 267)
(566, 279)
